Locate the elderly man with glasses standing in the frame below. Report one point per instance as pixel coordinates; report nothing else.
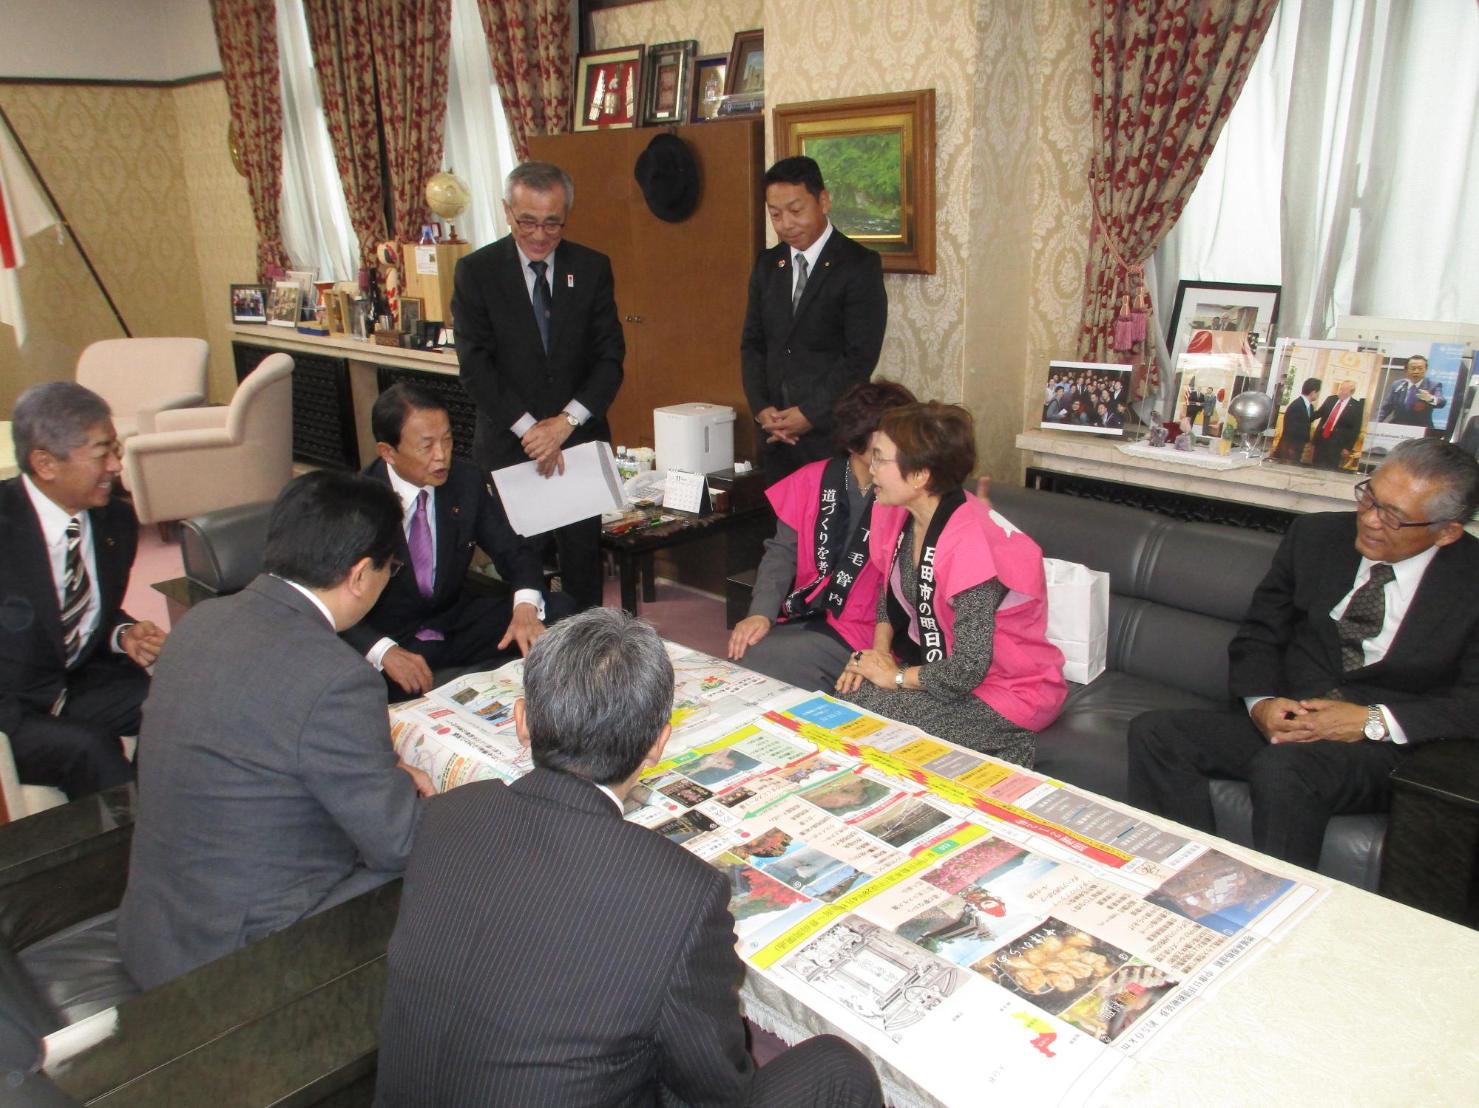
(1362, 640)
(540, 349)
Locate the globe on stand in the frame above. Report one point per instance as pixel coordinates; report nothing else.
(1252, 411)
(448, 195)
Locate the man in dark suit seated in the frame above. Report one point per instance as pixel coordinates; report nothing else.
(547, 951)
(426, 618)
(1362, 640)
(71, 659)
(814, 322)
(269, 790)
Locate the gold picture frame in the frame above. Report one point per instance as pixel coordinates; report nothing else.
(608, 89)
(877, 156)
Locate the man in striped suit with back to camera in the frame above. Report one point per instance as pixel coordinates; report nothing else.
(549, 952)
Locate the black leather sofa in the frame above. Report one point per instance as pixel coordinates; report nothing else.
(1177, 593)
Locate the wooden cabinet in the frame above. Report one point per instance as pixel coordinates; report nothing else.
(680, 287)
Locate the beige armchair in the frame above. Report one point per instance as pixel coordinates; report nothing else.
(139, 378)
(201, 459)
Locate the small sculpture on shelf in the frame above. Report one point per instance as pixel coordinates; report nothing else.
(1157, 435)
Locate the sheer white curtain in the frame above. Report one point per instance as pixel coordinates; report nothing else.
(1348, 171)
(478, 148)
(315, 218)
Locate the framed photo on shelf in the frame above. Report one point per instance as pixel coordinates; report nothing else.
(286, 304)
(746, 72)
(412, 309)
(877, 156)
(708, 87)
(669, 81)
(1213, 318)
(1092, 397)
(607, 86)
(248, 303)
(1206, 383)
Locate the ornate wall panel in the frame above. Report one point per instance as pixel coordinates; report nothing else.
(712, 22)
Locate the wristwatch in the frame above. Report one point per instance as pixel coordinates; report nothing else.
(570, 419)
(899, 678)
(1376, 724)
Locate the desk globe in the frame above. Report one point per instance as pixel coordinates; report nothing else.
(448, 195)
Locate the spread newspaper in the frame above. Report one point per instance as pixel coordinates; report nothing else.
(980, 928)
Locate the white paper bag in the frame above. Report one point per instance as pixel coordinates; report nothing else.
(1078, 617)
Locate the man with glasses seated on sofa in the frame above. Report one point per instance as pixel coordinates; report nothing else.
(1362, 640)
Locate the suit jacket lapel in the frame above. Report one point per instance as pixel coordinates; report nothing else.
(112, 575)
(35, 566)
(1336, 577)
(516, 295)
(562, 301)
(818, 273)
(449, 515)
(1436, 592)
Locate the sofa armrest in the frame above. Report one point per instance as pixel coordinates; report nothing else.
(148, 416)
(190, 419)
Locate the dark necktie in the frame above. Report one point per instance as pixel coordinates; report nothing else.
(76, 592)
(800, 282)
(541, 301)
(1363, 617)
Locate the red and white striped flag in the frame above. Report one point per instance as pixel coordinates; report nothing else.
(23, 212)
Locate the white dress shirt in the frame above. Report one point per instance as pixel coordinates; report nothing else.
(811, 254)
(575, 407)
(317, 603)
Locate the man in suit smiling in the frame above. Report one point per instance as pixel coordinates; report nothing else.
(1362, 640)
(540, 349)
(426, 618)
(72, 661)
(814, 322)
(550, 952)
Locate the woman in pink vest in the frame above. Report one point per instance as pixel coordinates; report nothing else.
(815, 590)
(960, 646)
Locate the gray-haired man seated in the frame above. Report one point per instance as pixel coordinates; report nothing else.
(548, 952)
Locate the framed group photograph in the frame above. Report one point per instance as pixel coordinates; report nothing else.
(607, 86)
(669, 81)
(248, 303)
(746, 73)
(877, 156)
(286, 304)
(708, 87)
(1093, 397)
(1214, 318)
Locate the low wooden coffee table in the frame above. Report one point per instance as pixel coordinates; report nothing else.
(634, 548)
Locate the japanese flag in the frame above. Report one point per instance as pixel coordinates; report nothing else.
(23, 212)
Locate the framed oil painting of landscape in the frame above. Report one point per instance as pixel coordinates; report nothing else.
(877, 156)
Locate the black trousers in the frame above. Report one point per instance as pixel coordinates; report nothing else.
(824, 1072)
(1296, 787)
(78, 751)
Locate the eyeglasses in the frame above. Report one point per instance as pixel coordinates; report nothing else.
(529, 225)
(878, 461)
(395, 565)
(1389, 517)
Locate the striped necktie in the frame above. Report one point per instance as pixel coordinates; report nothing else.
(76, 592)
(801, 269)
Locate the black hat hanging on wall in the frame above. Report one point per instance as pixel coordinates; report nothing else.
(668, 175)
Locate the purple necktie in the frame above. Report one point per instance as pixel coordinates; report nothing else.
(420, 543)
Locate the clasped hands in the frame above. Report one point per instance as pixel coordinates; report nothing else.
(785, 425)
(1282, 720)
(543, 441)
(142, 642)
(877, 666)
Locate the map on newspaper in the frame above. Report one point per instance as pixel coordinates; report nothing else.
(925, 898)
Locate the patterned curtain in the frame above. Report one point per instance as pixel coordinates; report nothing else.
(410, 40)
(1166, 73)
(529, 45)
(339, 33)
(246, 34)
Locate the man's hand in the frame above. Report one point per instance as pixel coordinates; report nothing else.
(524, 628)
(407, 669)
(747, 632)
(543, 441)
(424, 787)
(142, 641)
(1282, 720)
(786, 425)
(1336, 720)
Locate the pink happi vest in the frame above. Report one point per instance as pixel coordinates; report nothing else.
(796, 499)
(1025, 682)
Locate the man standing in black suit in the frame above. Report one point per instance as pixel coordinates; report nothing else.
(71, 659)
(1339, 425)
(540, 349)
(1362, 640)
(548, 951)
(426, 618)
(1297, 419)
(814, 322)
